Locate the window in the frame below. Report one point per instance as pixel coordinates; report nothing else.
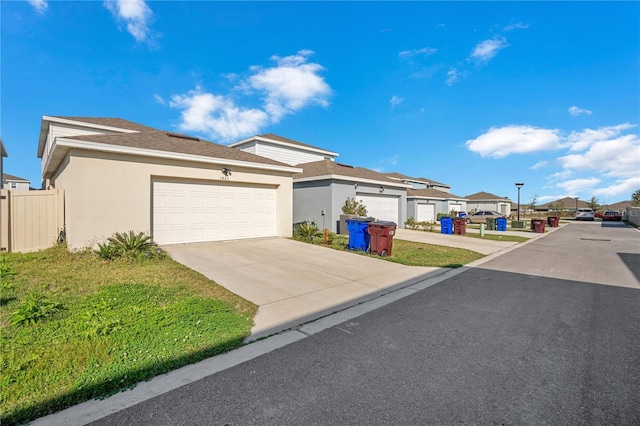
(13, 185)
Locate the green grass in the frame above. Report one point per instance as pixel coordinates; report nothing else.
(496, 237)
(119, 322)
(416, 254)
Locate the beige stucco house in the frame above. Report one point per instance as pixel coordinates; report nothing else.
(120, 176)
(15, 183)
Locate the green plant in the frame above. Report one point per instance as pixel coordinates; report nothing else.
(33, 308)
(133, 244)
(411, 223)
(427, 226)
(6, 272)
(352, 206)
(108, 251)
(308, 231)
(441, 215)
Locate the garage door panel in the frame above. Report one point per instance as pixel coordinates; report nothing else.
(426, 212)
(381, 207)
(193, 212)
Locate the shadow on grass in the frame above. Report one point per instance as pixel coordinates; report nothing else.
(117, 384)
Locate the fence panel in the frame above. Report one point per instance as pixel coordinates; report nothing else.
(35, 219)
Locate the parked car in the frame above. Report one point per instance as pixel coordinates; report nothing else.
(585, 214)
(598, 214)
(482, 215)
(612, 215)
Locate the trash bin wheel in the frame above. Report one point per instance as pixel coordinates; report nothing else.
(468, 220)
(384, 253)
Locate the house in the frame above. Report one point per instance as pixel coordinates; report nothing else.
(3, 153)
(322, 188)
(567, 203)
(282, 149)
(488, 201)
(119, 176)
(419, 183)
(425, 204)
(15, 183)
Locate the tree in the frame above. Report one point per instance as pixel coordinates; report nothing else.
(635, 198)
(533, 203)
(594, 203)
(352, 206)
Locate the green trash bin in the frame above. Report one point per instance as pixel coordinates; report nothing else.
(491, 223)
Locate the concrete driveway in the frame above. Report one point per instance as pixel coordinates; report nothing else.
(294, 282)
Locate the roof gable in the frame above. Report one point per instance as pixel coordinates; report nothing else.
(431, 193)
(325, 168)
(478, 196)
(279, 140)
(8, 177)
(114, 122)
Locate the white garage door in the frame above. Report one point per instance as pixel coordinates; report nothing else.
(426, 212)
(381, 207)
(194, 212)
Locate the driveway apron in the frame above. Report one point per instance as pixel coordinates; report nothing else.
(294, 282)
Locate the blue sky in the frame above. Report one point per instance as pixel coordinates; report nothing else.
(477, 95)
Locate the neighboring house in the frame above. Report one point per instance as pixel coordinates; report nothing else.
(282, 149)
(323, 187)
(3, 153)
(620, 205)
(419, 183)
(566, 203)
(488, 201)
(120, 176)
(425, 204)
(15, 183)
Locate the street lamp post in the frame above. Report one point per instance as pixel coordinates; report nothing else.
(519, 185)
(576, 207)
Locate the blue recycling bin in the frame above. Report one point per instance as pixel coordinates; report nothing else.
(446, 225)
(359, 238)
(501, 223)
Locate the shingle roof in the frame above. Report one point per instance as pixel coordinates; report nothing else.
(566, 202)
(485, 196)
(429, 181)
(177, 143)
(431, 193)
(7, 176)
(328, 167)
(110, 122)
(620, 205)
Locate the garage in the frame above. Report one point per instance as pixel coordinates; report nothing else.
(186, 212)
(426, 213)
(380, 206)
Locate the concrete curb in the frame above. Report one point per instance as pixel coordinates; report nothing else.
(93, 410)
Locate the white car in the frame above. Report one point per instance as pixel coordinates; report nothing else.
(585, 214)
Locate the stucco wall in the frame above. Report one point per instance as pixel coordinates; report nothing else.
(633, 215)
(311, 198)
(107, 193)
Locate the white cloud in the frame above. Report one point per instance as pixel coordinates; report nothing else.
(159, 99)
(502, 141)
(395, 100)
(487, 49)
(622, 188)
(135, 14)
(575, 111)
(539, 165)
(516, 26)
(619, 157)
(291, 85)
(39, 5)
(453, 75)
(426, 51)
(579, 141)
(217, 115)
(579, 185)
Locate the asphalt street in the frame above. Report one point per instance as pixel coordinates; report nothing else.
(548, 333)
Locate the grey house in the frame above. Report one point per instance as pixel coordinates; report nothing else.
(425, 204)
(488, 201)
(323, 187)
(419, 183)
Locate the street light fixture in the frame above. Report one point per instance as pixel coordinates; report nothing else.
(519, 185)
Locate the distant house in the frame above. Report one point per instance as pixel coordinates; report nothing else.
(425, 204)
(566, 203)
(15, 183)
(321, 190)
(283, 150)
(488, 201)
(3, 153)
(419, 183)
(620, 205)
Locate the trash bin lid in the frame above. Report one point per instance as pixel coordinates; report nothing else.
(383, 223)
(360, 219)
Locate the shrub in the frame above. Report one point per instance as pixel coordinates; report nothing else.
(6, 273)
(427, 226)
(351, 206)
(411, 223)
(441, 215)
(33, 308)
(131, 244)
(308, 231)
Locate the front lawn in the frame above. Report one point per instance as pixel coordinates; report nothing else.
(413, 253)
(76, 327)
